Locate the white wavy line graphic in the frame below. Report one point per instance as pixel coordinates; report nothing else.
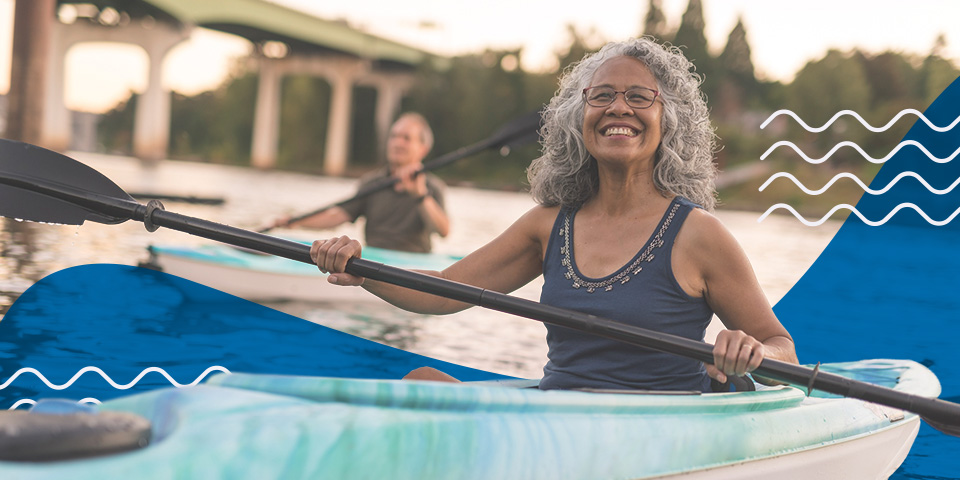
(860, 182)
(908, 111)
(28, 401)
(856, 212)
(25, 401)
(110, 380)
(847, 143)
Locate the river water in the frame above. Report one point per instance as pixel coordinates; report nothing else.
(780, 247)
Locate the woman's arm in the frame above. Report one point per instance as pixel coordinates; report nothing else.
(508, 262)
(711, 263)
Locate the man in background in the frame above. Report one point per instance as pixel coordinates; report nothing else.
(404, 217)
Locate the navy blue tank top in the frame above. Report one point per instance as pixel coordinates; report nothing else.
(644, 293)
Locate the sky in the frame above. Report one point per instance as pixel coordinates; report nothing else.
(783, 35)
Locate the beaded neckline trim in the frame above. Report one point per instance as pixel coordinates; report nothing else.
(624, 275)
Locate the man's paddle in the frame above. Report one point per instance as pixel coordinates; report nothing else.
(179, 198)
(520, 131)
(44, 186)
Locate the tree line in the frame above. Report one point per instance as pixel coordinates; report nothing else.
(480, 92)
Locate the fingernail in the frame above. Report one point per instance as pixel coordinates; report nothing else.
(333, 279)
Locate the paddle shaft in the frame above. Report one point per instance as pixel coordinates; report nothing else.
(941, 414)
(388, 182)
(179, 198)
(932, 409)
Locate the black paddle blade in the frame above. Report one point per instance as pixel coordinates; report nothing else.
(22, 164)
(952, 429)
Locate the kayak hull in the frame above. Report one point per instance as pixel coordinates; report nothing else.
(268, 278)
(268, 426)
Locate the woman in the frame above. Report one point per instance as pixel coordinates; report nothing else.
(627, 160)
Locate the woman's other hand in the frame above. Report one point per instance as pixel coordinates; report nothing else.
(734, 353)
(331, 257)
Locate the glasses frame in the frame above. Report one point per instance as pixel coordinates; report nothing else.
(656, 93)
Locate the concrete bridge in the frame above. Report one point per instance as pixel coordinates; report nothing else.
(287, 42)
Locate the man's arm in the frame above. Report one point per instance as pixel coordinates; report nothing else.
(414, 182)
(433, 213)
(328, 218)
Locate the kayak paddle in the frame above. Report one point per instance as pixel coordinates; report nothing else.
(520, 131)
(44, 186)
(179, 198)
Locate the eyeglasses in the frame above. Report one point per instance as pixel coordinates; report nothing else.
(638, 97)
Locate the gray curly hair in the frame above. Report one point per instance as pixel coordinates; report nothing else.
(566, 174)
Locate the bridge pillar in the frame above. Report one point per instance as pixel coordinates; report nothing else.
(56, 118)
(342, 73)
(266, 118)
(390, 91)
(29, 69)
(151, 129)
(151, 126)
(338, 124)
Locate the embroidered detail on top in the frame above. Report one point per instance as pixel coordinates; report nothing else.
(624, 276)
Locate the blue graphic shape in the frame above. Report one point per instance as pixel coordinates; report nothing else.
(124, 319)
(939, 175)
(891, 291)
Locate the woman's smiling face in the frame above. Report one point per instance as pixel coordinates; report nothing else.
(619, 132)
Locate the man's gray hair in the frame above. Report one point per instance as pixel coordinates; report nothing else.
(426, 133)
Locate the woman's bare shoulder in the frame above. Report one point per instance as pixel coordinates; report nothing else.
(703, 226)
(538, 217)
(541, 212)
(705, 238)
(534, 226)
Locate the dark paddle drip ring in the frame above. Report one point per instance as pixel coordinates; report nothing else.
(152, 206)
(813, 378)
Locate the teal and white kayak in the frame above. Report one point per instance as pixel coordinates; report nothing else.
(242, 426)
(259, 277)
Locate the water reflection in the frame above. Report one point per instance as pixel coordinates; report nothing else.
(377, 322)
(18, 265)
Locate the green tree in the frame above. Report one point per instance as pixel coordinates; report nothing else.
(890, 76)
(736, 92)
(579, 47)
(691, 38)
(305, 105)
(936, 73)
(895, 85)
(115, 129)
(735, 61)
(822, 88)
(365, 151)
(469, 101)
(190, 118)
(655, 22)
(737, 85)
(231, 134)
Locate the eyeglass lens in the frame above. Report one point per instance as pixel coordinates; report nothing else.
(635, 97)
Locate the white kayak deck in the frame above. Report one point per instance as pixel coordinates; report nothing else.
(267, 278)
(269, 426)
